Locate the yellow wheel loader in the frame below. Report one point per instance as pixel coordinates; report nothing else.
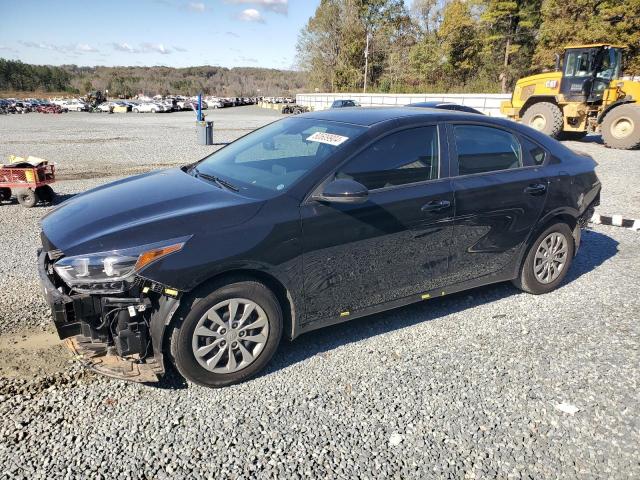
(588, 94)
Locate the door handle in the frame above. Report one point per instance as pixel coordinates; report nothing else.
(536, 189)
(436, 205)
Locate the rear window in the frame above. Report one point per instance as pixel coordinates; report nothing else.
(485, 149)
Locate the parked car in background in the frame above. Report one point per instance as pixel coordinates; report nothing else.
(149, 108)
(344, 104)
(75, 105)
(445, 106)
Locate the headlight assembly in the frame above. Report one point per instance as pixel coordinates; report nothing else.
(109, 272)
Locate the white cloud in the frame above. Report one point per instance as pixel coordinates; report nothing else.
(155, 47)
(72, 49)
(248, 60)
(125, 47)
(277, 6)
(83, 47)
(232, 34)
(196, 7)
(179, 49)
(251, 15)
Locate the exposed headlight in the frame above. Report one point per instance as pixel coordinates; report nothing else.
(109, 272)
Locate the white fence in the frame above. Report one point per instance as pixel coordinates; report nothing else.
(488, 103)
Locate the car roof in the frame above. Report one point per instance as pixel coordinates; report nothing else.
(371, 115)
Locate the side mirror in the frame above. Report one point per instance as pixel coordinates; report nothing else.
(343, 191)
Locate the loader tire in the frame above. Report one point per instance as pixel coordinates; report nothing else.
(621, 127)
(545, 117)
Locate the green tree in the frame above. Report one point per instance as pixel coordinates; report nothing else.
(510, 28)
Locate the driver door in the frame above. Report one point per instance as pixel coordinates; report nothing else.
(358, 256)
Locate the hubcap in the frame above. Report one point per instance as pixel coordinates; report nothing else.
(550, 258)
(622, 127)
(230, 336)
(538, 122)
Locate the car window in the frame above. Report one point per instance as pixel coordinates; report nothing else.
(485, 149)
(404, 157)
(273, 158)
(535, 151)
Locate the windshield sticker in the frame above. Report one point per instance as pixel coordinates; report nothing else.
(328, 138)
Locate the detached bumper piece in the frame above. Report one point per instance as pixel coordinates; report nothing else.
(97, 358)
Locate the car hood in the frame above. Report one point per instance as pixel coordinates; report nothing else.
(144, 209)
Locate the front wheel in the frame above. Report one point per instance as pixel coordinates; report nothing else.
(621, 127)
(547, 261)
(228, 335)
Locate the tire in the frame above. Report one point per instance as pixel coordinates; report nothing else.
(27, 197)
(153, 110)
(621, 127)
(573, 136)
(5, 194)
(545, 117)
(78, 109)
(135, 110)
(46, 194)
(527, 280)
(197, 315)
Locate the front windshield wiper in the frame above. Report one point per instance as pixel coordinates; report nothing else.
(220, 181)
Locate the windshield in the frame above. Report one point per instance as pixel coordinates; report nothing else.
(274, 157)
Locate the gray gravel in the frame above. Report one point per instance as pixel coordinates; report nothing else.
(619, 171)
(462, 386)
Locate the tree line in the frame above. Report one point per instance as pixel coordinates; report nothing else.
(454, 45)
(130, 81)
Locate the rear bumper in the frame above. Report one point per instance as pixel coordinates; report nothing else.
(75, 316)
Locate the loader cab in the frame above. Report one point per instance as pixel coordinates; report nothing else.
(588, 70)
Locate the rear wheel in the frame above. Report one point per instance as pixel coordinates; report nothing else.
(621, 127)
(228, 335)
(27, 197)
(545, 117)
(547, 261)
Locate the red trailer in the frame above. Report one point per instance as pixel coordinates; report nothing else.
(31, 184)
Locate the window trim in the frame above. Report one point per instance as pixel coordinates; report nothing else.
(453, 150)
(444, 161)
(547, 155)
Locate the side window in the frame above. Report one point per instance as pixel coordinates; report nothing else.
(404, 157)
(485, 149)
(535, 151)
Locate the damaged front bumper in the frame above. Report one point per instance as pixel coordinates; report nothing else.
(120, 337)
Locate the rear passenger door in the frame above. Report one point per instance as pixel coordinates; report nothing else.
(499, 192)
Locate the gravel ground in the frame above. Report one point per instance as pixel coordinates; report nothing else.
(466, 386)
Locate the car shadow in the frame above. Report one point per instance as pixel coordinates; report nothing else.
(596, 249)
(592, 139)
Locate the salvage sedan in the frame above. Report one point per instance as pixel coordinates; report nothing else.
(307, 222)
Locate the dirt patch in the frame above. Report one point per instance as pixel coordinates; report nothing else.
(32, 353)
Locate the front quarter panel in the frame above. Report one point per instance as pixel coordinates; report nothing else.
(268, 242)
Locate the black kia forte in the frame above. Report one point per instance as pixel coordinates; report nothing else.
(307, 222)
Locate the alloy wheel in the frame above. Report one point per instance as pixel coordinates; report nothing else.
(230, 336)
(551, 258)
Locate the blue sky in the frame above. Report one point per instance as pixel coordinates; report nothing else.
(175, 33)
